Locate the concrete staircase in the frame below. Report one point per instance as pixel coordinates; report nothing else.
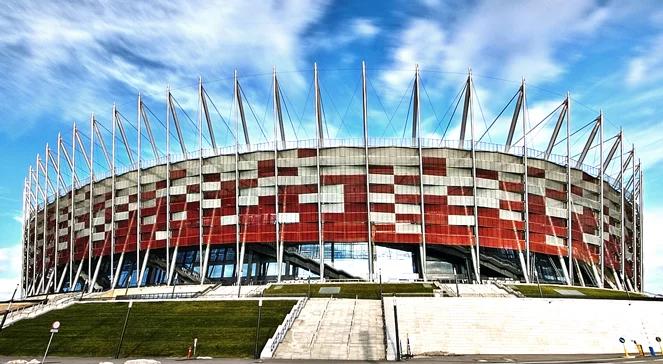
(336, 329)
(500, 325)
(56, 302)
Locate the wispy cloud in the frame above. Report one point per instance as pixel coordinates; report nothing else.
(497, 40)
(69, 59)
(646, 67)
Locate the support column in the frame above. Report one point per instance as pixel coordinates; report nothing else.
(90, 241)
(569, 189)
(371, 247)
(56, 248)
(277, 120)
(34, 248)
(203, 259)
(112, 247)
(32, 197)
(621, 208)
(72, 221)
(22, 282)
(139, 270)
(634, 258)
(171, 267)
(477, 240)
(319, 136)
(642, 214)
(601, 212)
(238, 254)
(44, 192)
(416, 124)
(528, 260)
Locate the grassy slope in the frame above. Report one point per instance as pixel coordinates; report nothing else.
(223, 328)
(350, 290)
(549, 291)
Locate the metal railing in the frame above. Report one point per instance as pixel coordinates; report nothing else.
(281, 331)
(44, 306)
(426, 143)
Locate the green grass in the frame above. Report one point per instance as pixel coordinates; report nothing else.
(351, 290)
(163, 329)
(548, 291)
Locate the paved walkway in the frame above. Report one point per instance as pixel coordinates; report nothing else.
(523, 359)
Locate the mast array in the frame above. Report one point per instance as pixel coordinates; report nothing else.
(41, 276)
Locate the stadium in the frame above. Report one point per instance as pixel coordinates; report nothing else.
(367, 209)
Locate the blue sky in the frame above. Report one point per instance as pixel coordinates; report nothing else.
(62, 61)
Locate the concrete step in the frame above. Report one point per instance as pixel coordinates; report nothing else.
(336, 329)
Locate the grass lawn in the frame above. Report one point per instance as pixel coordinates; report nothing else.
(165, 329)
(548, 291)
(350, 290)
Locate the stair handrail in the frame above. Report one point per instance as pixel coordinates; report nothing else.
(352, 320)
(281, 331)
(35, 310)
(317, 329)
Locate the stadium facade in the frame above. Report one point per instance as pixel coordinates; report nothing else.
(412, 208)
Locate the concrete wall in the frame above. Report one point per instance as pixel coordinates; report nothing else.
(521, 325)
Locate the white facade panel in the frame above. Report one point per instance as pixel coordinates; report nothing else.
(407, 228)
(385, 179)
(555, 240)
(431, 190)
(460, 200)
(211, 203)
(333, 208)
(591, 239)
(382, 197)
(248, 200)
(288, 217)
(179, 216)
(407, 209)
(211, 186)
(177, 190)
(229, 220)
(463, 220)
(511, 215)
(382, 217)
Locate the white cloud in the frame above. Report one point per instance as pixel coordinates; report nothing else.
(521, 39)
(412, 51)
(364, 28)
(67, 57)
(645, 68)
(649, 147)
(10, 268)
(353, 30)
